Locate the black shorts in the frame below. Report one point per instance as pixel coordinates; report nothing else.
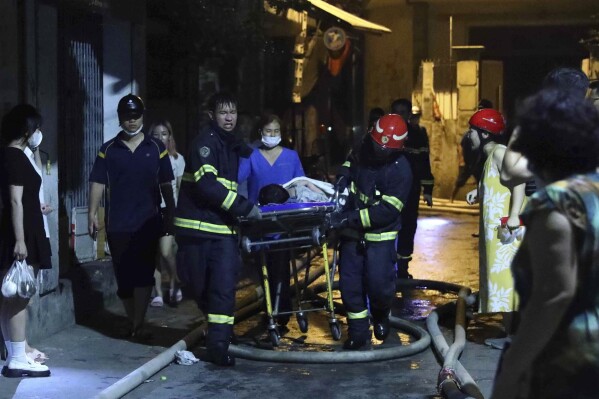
(134, 256)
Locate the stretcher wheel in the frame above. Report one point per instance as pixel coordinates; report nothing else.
(335, 330)
(275, 338)
(302, 322)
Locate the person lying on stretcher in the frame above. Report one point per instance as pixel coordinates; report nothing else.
(297, 190)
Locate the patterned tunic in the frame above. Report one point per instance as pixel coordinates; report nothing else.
(569, 365)
(496, 283)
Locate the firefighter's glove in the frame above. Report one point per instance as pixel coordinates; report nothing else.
(341, 184)
(338, 220)
(255, 214)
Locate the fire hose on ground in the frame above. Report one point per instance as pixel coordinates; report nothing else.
(457, 381)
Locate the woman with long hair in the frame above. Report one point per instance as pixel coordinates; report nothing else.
(167, 247)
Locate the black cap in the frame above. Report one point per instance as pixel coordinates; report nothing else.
(130, 107)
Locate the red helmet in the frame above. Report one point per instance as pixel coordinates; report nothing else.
(390, 132)
(489, 120)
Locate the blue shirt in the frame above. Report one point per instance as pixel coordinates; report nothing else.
(259, 173)
(132, 181)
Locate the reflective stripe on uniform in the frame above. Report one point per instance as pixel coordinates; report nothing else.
(101, 154)
(357, 315)
(403, 257)
(203, 170)
(163, 154)
(220, 319)
(426, 182)
(374, 237)
(347, 164)
(204, 226)
(229, 200)
(396, 202)
(229, 185)
(365, 218)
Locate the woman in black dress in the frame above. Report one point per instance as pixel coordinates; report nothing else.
(22, 234)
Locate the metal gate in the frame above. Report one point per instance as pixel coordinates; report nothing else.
(80, 103)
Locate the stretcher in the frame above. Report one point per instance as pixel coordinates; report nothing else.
(292, 227)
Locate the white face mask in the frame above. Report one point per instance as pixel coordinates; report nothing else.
(35, 139)
(271, 141)
(131, 134)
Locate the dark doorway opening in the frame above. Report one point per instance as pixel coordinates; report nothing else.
(528, 53)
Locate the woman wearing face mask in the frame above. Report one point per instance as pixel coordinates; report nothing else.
(22, 234)
(167, 248)
(272, 163)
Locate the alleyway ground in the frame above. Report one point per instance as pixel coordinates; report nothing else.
(85, 359)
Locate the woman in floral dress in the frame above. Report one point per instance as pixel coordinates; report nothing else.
(497, 293)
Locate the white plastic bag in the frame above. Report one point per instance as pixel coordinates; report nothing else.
(19, 280)
(507, 235)
(185, 358)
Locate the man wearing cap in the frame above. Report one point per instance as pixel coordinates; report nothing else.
(135, 168)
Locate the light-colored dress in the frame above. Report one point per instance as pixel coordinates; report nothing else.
(497, 292)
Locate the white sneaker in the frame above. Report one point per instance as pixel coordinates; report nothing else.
(178, 295)
(28, 368)
(157, 302)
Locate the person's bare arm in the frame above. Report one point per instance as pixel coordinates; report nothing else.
(517, 193)
(178, 185)
(551, 247)
(169, 201)
(514, 168)
(16, 202)
(96, 190)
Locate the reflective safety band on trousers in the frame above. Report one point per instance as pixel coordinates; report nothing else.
(204, 226)
(374, 237)
(359, 315)
(220, 319)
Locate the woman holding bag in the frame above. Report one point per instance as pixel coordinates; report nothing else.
(22, 234)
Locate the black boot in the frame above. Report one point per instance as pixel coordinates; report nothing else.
(219, 355)
(402, 267)
(381, 328)
(360, 341)
(356, 344)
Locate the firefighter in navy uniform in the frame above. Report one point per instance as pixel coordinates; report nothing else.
(208, 258)
(417, 153)
(379, 180)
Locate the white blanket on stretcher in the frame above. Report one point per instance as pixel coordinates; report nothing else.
(326, 187)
